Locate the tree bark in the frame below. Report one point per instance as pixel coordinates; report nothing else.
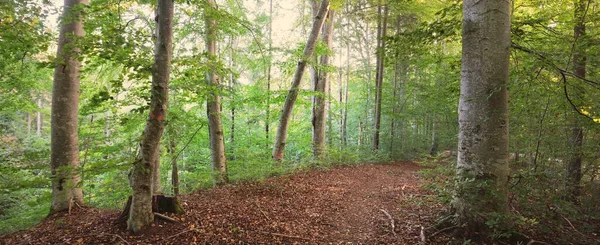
(39, 122)
(321, 88)
(575, 133)
(286, 114)
(482, 164)
(268, 107)
(142, 174)
(64, 156)
(215, 127)
(381, 32)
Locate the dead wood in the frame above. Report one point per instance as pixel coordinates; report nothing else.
(392, 223)
(160, 204)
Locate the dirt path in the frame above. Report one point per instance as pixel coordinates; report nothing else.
(340, 205)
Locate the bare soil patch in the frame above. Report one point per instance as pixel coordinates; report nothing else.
(342, 205)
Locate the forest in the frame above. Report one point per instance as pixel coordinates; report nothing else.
(299, 122)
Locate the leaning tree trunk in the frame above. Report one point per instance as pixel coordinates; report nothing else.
(482, 165)
(321, 87)
(64, 156)
(142, 174)
(575, 134)
(286, 114)
(215, 128)
(381, 32)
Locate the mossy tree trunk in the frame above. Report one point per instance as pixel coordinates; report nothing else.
(482, 165)
(64, 156)
(142, 174)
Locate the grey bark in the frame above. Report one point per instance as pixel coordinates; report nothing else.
(482, 164)
(64, 156)
(142, 174)
(284, 120)
(575, 133)
(39, 122)
(215, 127)
(321, 88)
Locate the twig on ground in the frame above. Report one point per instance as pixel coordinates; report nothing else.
(117, 236)
(284, 235)
(442, 230)
(572, 226)
(185, 231)
(260, 209)
(392, 223)
(422, 235)
(164, 217)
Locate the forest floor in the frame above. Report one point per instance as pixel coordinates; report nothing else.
(366, 204)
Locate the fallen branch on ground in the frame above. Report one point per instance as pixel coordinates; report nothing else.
(442, 230)
(392, 223)
(283, 235)
(164, 217)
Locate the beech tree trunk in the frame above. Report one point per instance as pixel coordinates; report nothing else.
(381, 32)
(268, 107)
(64, 155)
(142, 174)
(575, 133)
(215, 127)
(482, 165)
(321, 88)
(39, 122)
(286, 114)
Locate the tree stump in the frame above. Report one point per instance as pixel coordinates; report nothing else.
(160, 204)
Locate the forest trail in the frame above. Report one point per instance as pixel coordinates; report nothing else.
(348, 205)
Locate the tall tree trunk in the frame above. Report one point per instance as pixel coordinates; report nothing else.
(433, 150)
(268, 108)
(284, 120)
(381, 32)
(174, 168)
(215, 128)
(482, 164)
(346, 85)
(321, 88)
(233, 102)
(29, 124)
(64, 156)
(142, 174)
(39, 122)
(575, 134)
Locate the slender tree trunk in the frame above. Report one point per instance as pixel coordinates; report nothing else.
(39, 122)
(321, 88)
(215, 127)
(280, 138)
(174, 168)
(381, 32)
(142, 174)
(482, 165)
(346, 85)
(394, 99)
(434, 136)
(268, 109)
(29, 124)
(64, 156)
(575, 134)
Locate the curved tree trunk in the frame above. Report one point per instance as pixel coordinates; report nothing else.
(482, 165)
(64, 156)
(215, 127)
(286, 114)
(142, 175)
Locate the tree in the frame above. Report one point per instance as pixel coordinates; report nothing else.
(142, 174)
(482, 164)
(575, 133)
(381, 32)
(321, 87)
(215, 128)
(64, 158)
(286, 114)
